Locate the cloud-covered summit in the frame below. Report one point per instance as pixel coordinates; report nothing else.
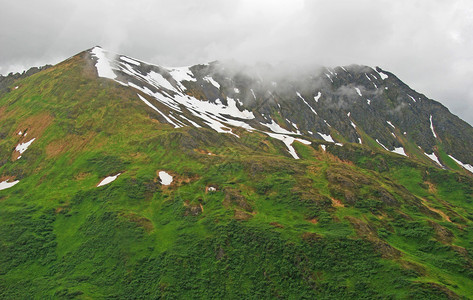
(426, 43)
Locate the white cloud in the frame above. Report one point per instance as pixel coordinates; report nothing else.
(427, 43)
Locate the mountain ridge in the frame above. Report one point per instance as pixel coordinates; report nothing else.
(338, 94)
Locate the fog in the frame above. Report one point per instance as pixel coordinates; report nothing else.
(426, 43)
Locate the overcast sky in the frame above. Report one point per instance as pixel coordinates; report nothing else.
(427, 43)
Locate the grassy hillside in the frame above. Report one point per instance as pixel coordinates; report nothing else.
(348, 222)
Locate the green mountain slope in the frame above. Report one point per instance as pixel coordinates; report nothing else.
(241, 218)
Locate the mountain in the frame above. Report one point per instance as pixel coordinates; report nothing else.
(122, 179)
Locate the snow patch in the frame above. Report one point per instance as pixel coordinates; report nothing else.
(182, 74)
(212, 81)
(317, 97)
(359, 141)
(130, 61)
(165, 178)
(300, 96)
(328, 76)
(323, 147)
(399, 150)
(390, 124)
(434, 158)
(326, 137)
(277, 129)
(288, 140)
(108, 179)
(465, 166)
(293, 124)
(383, 75)
(158, 80)
(253, 93)
(368, 101)
(412, 98)
(382, 145)
(23, 146)
(104, 69)
(358, 91)
(5, 184)
(236, 90)
(192, 122)
(153, 107)
(432, 127)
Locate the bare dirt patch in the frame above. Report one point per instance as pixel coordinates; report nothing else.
(438, 211)
(337, 203)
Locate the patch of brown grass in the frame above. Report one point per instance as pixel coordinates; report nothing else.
(276, 224)
(6, 178)
(204, 152)
(35, 125)
(2, 111)
(432, 187)
(241, 215)
(311, 237)
(32, 127)
(68, 143)
(81, 176)
(143, 222)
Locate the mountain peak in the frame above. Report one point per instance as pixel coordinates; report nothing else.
(356, 104)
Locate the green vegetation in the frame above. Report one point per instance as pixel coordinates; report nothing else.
(347, 223)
